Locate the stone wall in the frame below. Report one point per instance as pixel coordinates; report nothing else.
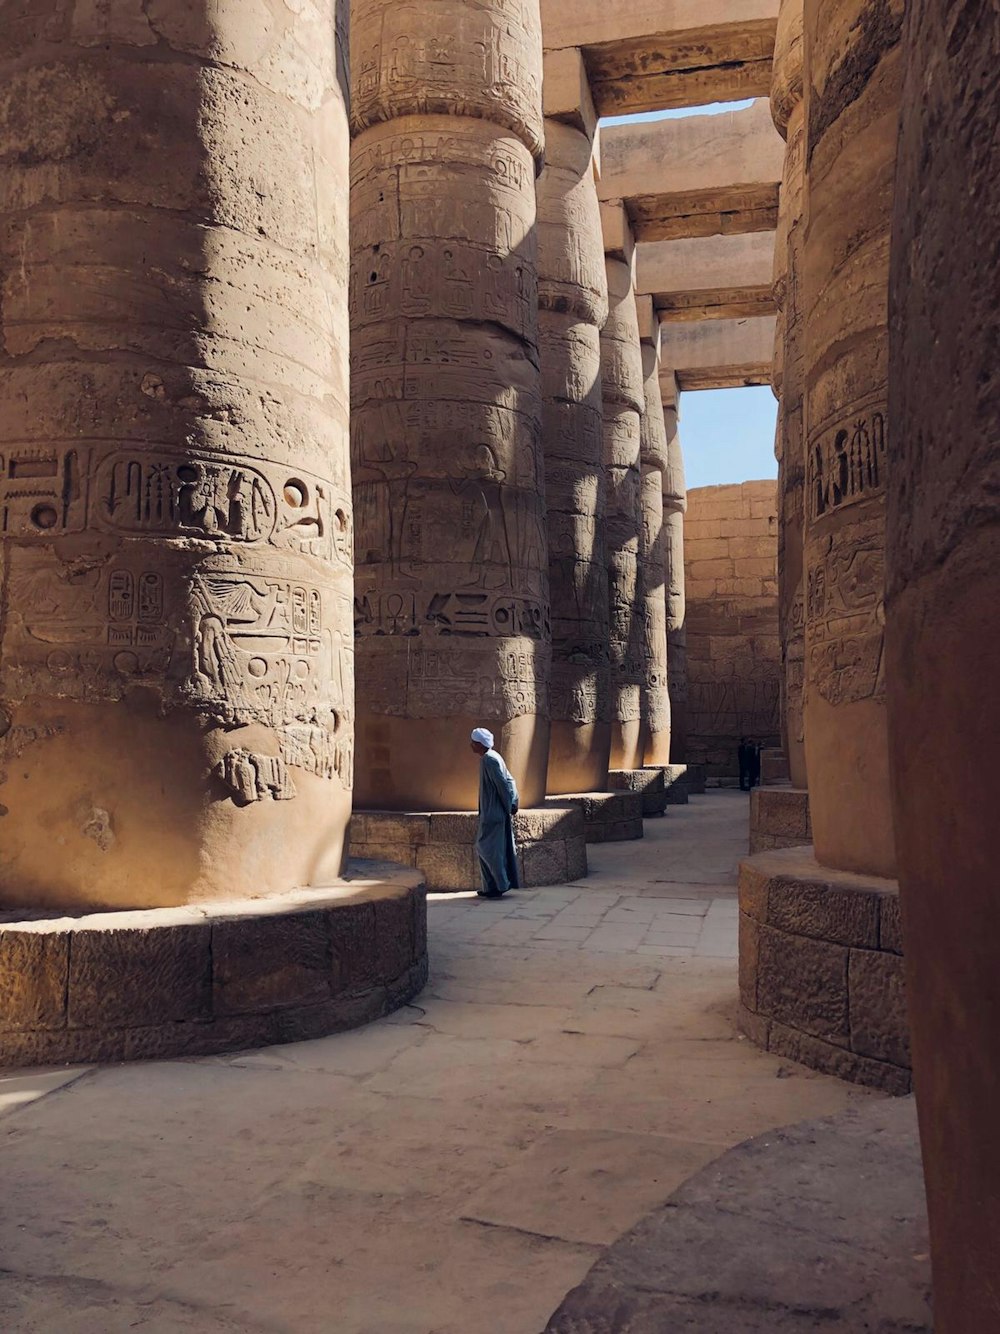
(733, 653)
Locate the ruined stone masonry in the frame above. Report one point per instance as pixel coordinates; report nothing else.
(451, 595)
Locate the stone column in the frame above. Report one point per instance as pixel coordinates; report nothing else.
(176, 679)
(852, 101)
(789, 117)
(573, 306)
(623, 405)
(943, 629)
(452, 605)
(654, 698)
(674, 507)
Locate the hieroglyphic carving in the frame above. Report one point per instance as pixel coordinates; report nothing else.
(846, 616)
(43, 492)
(256, 777)
(846, 461)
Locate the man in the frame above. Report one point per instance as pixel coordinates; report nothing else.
(498, 803)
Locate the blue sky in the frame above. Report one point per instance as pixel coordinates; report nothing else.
(727, 434)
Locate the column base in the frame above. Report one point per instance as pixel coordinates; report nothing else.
(821, 968)
(441, 845)
(647, 782)
(608, 817)
(779, 818)
(774, 767)
(697, 779)
(675, 783)
(212, 977)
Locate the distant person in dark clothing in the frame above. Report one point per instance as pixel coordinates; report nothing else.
(749, 757)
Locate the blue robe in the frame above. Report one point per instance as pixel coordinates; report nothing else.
(498, 802)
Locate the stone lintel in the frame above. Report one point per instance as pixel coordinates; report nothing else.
(719, 354)
(647, 55)
(619, 243)
(608, 817)
(566, 91)
(708, 277)
(213, 977)
(821, 968)
(697, 175)
(551, 844)
(649, 783)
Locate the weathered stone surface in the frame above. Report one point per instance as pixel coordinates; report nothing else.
(654, 695)
(648, 783)
(779, 818)
(824, 911)
(173, 394)
(130, 977)
(749, 961)
(609, 817)
(452, 594)
(262, 965)
(802, 983)
(879, 1026)
(354, 958)
(33, 971)
(852, 101)
(719, 354)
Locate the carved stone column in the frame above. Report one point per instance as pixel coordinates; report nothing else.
(452, 605)
(674, 507)
(624, 403)
(654, 698)
(573, 306)
(943, 629)
(177, 685)
(852, 101)
(789, 117)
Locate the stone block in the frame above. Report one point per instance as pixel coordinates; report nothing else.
(823, 911)
(33, 968)
(576, 857)
(749, 930)
(566, 90)
(755, 1026)
(391, 827)
(779, 818)
(394, 943)
(831, 1059)
(803, 983)
(754, 888)
(353, 964)
(879, 1023)
(544, 863)
(890, 925)
(420, 924)
(261, 964)
(449, 866)
(454, 827)
(146, 975)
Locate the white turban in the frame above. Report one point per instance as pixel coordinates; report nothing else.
(484, 737)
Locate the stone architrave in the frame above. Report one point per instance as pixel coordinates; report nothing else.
(852, 76)
(573, 306)
(674, 507)
(176, 682)
(452, 602)
(623, 405)
(789, 117)
(654, 697)
(943, 629)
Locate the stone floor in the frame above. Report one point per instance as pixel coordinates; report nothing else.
(456, 1168)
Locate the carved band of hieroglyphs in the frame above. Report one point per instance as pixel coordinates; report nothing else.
(222, 497)
(43, 491)
(845, 619)
(846, 462)
(467, 614)
(409, 679)
(48, 492)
